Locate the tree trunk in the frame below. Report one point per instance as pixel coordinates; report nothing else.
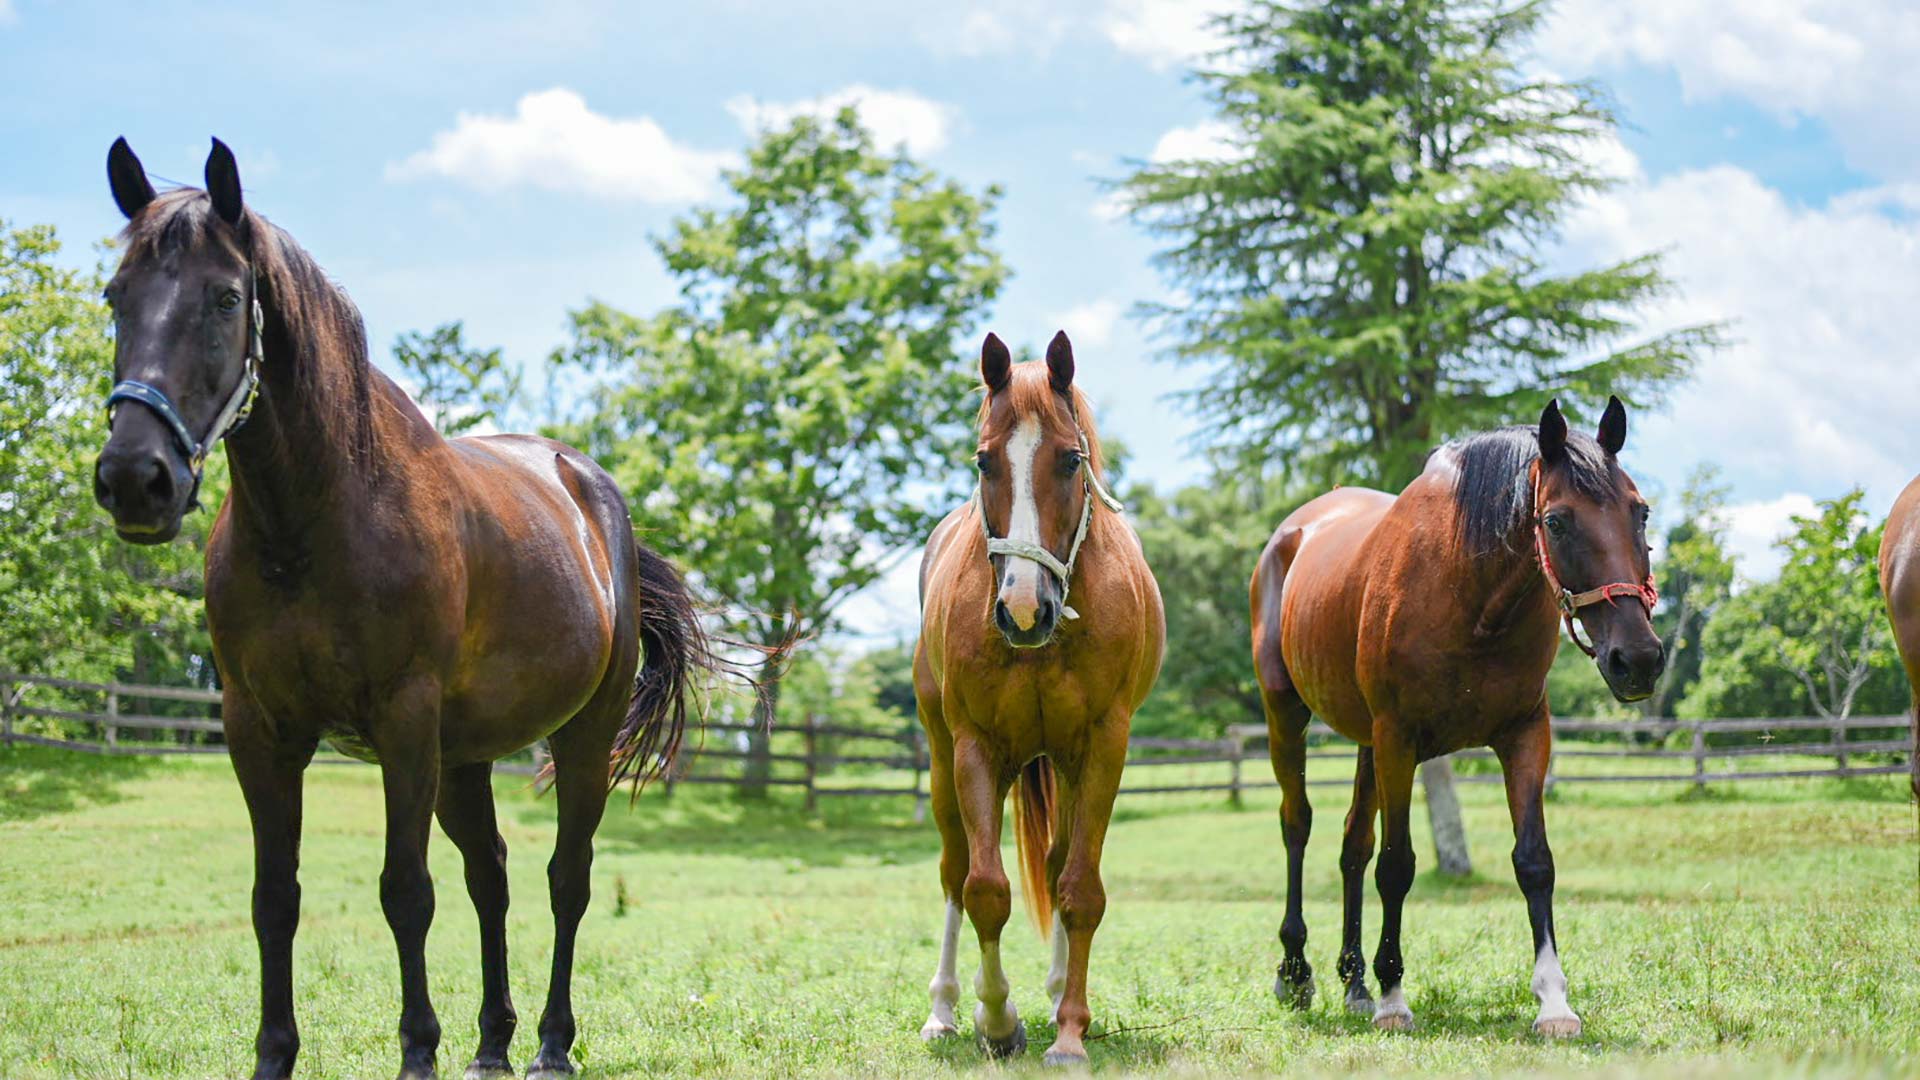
(1443, 810)
(759, 764)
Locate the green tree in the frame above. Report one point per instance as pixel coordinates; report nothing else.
(459, 388)
(79, 603)
(1814, 639)
(1202, 541)
(801, 414)
(1695, 576)
(1365, 272)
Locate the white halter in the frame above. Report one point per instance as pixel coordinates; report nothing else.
(1021, 549)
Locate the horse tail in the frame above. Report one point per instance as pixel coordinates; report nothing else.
(676, 654)
(1033, 800)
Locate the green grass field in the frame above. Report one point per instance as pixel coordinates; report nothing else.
(1770, 929)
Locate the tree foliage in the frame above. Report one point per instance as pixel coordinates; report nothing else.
(1366, 268)
(79, 603)
(1813, 641)
(801, 413)
(458, 387)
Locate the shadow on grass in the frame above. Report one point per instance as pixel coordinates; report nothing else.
(38, 780)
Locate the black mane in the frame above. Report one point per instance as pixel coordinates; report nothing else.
(1493, 495)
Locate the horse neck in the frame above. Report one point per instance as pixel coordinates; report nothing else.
(300, 456)
(1514, 590)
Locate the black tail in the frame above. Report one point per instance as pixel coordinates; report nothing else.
(676, 656)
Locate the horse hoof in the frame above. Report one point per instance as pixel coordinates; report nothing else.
(1558, 1027)
(488, 1070)
(1392, 1020)
(1294, 995)
(1061, 1059)
(1359, 1002)
(418, 1074)
(934, 1029)
(1012, 1046)
(549, 1070)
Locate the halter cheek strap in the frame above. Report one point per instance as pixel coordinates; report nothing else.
(1062, 571)
(1571, 602)
(233, 412)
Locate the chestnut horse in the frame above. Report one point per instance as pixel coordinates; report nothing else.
(428, 604)
(1425, 624)
(1900, 584)
(1041, 632)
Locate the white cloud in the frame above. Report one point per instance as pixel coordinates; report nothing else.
(1814, 393)
(1208, 140)
(1755, 528)
(1091, 324)
(1164, 33)
(554, 142)
(1851, 63)
(896, 117)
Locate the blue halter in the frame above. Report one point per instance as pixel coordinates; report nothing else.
(239, 403)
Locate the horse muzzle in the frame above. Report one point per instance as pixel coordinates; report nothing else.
(1631, 671)
(145, 489)
(1045, 619)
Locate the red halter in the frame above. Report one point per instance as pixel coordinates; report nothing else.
(1569, 601)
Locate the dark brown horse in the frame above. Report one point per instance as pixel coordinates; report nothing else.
(1900, 584)
(432, 605)
(1425, 624)
(1040, 633)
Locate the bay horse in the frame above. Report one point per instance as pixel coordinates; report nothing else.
(1041, 632)
(427, 604)
(1900, 585)
(1424, 624)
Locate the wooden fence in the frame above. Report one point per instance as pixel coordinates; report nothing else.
(828, 760)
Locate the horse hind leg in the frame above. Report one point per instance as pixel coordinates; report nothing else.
(1287, 719)
(1356, 851)
(467, 817)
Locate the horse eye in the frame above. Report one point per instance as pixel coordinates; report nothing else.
(230, 300)
(983, 461)
(1556, 525)
(1071, 462)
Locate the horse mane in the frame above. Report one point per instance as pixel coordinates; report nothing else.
(325, 339)
(1493, 496)
(1031, 391)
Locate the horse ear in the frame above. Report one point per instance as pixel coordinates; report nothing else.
(996, 364)
(1553, 433)
(1060, 363)
(132, 191)
(1613, 426)
(223, 183)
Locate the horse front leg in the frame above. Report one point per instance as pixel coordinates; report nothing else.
(1524, 755)
(1394, 763)
(406, 734)
(981, 785)
(271, 775)
(1080, 897)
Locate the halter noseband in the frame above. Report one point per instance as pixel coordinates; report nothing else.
(232, 414)
(1021, 549)
(1571, 602)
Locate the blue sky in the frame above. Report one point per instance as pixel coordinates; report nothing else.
(503, 165)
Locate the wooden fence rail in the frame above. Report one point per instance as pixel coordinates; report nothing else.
(838, 760)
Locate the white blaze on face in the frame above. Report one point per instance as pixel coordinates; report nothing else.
(1057, 971)
(1550, 985)
(993, 1014)
(1020, 585)
(945, 988)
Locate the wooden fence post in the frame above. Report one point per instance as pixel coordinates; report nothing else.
(113, 710)
(6, 711)
(1235, 748)
(813, 767)
(1699, 755)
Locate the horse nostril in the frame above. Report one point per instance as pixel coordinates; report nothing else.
(102, 493)
(1049, 613)
(1617, 664)
(158, 481)
(1002, 618)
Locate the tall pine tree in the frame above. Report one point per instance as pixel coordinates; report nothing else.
(1366, 269)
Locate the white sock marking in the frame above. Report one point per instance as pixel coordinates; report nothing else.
(945, 988)
(994, 1014)
(1550, 986)
(1057, 971)
(1392, 1003)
